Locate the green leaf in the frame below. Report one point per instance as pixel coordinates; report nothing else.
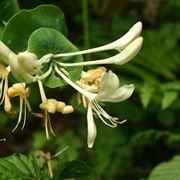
(77, 170)
(22, 24)
(146, 94)
(19, 166)
(47, 40)
(167, 170)
(175, 85)
(169, 98)
(8, 8)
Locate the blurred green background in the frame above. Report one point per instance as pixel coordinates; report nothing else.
(152, 133)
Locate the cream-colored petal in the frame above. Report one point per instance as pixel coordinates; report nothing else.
(91, 127)
(109, 84)
(121, 94)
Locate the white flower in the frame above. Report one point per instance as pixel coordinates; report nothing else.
(109, 91)
(24, 66)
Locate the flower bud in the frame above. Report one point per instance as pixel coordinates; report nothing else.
(28, 61)
(128, 53)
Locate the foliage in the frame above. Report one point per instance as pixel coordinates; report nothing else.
(166, 170)
(23, 167)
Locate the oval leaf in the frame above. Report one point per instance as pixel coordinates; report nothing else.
(22, 24)
(47, 40)
(168, 98)
(167, 170)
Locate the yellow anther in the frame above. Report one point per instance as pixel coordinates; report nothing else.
(18, 89)
(11, 92)
(68, 109)
(90, 81)
(3, 71)
(60, 106)
(49, 105)
(93, 74)
(97, 82)
(27, 92)
(52, 105)
(7, 104)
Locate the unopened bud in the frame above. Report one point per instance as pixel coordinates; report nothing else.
(28, 62)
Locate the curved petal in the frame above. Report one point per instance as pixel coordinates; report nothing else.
(91, 127)
(109, 84)
(121, 94)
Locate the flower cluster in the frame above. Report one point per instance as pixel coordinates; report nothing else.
(94, 87)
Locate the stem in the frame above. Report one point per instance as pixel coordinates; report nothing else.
(75, 86)
(85, 23)
(20, 113)
(43, 76)
(42, 92)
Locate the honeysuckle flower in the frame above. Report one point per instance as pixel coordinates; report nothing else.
(20, 90)
(109, 91)
(95, 86)
(24, 66)
(51, 106)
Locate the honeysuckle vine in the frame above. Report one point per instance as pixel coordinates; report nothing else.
(94, 86)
